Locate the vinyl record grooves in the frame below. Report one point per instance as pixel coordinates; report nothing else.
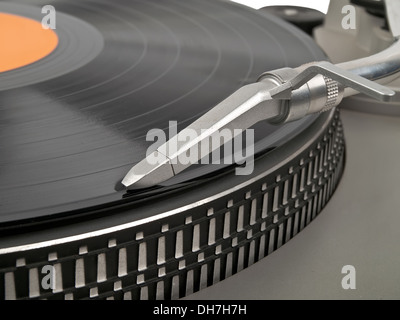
(66, 142)
(69, 134)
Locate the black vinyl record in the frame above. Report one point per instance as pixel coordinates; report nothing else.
(73, 123)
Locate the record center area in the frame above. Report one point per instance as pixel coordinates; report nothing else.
(24, 41)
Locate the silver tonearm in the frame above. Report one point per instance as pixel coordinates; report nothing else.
(280, 96)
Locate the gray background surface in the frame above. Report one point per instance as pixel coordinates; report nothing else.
(360, 226)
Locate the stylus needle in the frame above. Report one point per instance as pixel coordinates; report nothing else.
(245, 107)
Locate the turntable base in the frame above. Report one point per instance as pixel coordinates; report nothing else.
(358, 227)
(62, 205)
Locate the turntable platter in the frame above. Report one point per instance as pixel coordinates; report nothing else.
(73, 123)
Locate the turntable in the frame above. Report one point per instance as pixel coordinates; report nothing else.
(85, 214)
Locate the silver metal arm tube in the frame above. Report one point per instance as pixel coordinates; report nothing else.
(383, 67)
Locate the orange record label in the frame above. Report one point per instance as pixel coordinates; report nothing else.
(23, 41)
